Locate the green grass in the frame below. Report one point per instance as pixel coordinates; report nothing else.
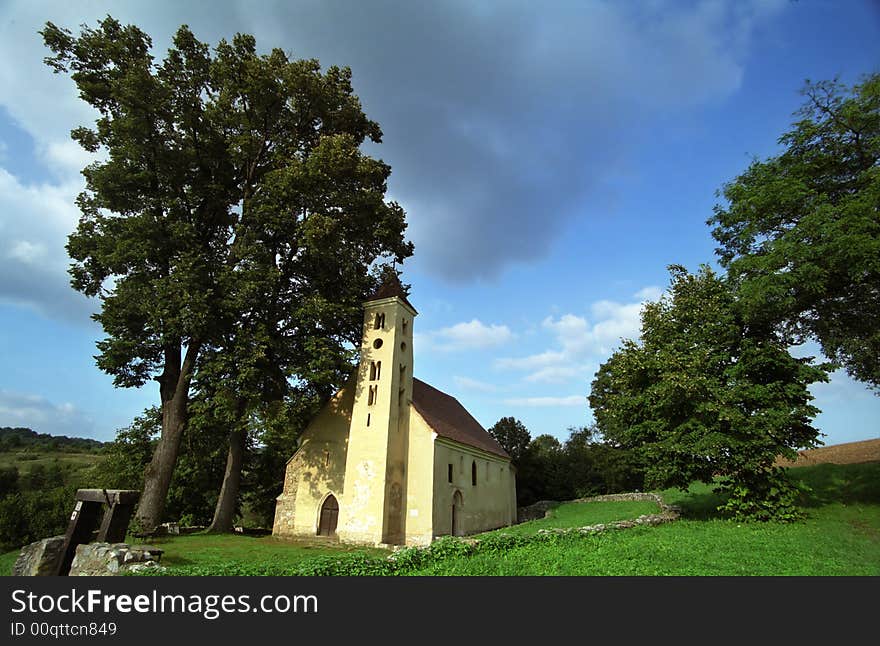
(25, 460)
(581, 514)
(840, 540)
(839, 536)
(7, 561)
(231, 552)
(210, 549)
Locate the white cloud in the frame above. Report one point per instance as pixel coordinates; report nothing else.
(35, 221)
(473, 335)
(556, 374)
(650, 293)
(547, 402)
(27, 252)
(532, 362)
(582, 344)
(467, 383)
(43, 416)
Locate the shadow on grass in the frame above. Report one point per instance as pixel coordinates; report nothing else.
(700, 506)
(838, 483)
(825, 484)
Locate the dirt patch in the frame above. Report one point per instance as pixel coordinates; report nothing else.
(849, 453)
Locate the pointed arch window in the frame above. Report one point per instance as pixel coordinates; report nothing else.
(379, 321)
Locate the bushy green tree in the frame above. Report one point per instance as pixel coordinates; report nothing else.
(129, 453)
(512, 435)
(234, 215)
(706, 395)
(800, 232)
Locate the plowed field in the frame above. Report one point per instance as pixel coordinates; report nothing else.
(849, 453)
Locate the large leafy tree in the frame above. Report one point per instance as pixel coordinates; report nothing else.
(512, 435)
(800, 232)
(232, 192)
(705, 394)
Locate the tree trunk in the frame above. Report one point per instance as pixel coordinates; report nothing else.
(224, 512)
(174, 391)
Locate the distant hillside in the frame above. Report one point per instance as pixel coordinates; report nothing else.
(848, 453)
(25, 438)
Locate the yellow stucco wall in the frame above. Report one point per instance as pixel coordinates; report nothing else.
(420, 481)
(489, 504)
(316, 469)
(373, 506)
(387, 468)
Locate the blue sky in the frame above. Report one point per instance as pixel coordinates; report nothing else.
(553, 158)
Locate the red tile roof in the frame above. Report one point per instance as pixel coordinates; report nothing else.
(449, 419)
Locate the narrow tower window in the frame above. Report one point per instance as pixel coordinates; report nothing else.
(368, 419)
(404, 326)
(375, 370)
(372, 395)
(474, 473)
(379, 322)
(449, 472)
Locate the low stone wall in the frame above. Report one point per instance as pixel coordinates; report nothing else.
(535, 510)
(668, 513)
(40, 558)
(109, 559)
(540, 509)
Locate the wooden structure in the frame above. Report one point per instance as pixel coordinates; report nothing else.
(86, 519)
(329, 517)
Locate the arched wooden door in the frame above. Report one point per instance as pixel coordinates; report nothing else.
(456, 514)
(329, 516)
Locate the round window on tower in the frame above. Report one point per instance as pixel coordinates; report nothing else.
(377, 344)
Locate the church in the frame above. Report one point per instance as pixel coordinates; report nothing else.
(391, 460)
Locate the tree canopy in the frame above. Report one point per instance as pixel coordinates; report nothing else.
(512, 435)
(705, 395)
(232, 215)
(800, 232)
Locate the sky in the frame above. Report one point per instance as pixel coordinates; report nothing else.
(553, 159)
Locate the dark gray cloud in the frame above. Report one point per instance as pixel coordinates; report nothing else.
(503, 121)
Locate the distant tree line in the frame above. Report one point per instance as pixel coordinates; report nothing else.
(583, 465)
(21, 438)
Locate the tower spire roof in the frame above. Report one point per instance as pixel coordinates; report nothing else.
(389, 288)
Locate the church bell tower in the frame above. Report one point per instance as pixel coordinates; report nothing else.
(373, 508)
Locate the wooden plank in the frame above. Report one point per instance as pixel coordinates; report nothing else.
(82, 524)
(109, 496)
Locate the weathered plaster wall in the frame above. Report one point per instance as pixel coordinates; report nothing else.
(316, 469)
(489, 504)
(420, 481)
(372, 509)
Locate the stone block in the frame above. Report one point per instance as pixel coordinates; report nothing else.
(40, 558)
